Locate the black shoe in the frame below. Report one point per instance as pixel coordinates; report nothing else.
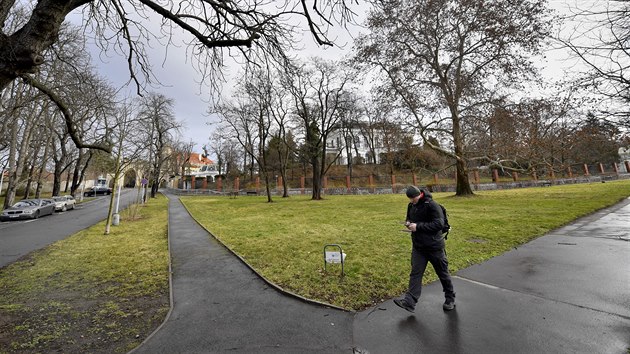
(449, 304)
(403, 304)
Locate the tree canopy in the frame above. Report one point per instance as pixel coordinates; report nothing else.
(444, 61)
(255, 28)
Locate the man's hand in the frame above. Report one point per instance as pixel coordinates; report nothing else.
(411, 226)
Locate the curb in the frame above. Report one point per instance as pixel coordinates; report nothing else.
(170, 284)
(269, 282)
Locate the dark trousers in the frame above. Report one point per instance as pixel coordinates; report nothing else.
(419, 260)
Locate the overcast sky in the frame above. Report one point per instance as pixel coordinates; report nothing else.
(180, 80)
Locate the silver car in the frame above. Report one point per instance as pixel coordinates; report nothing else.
(28, 209)
(63, 203)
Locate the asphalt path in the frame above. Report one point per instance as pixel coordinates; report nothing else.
(221, 306)
(565, 292)
(19, 238)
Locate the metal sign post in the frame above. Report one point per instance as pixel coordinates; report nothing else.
(334, 256)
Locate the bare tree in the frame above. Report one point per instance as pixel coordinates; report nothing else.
(129, 146)
(180, 158)
(89, 97)
(594, 141)
(318, 92)
(598, 34)
(80, 163)
(285, 147)
(61, 157)
(374, 127)
(393, 140)
(23, 117)
(38, 153)
(57, 80)
(442, 59)
(349, 127)
(250, 120)
(224, 147)
(212, 28)
(156, 113)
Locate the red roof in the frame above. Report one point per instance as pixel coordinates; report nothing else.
(198, 160)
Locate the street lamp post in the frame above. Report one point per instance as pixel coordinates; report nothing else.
(116, 216)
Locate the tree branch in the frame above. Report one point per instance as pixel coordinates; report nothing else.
(65, 112)
(203, 39)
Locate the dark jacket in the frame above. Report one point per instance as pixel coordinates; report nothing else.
(429, 220)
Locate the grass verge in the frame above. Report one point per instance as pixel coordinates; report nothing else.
(90, 292)
(284, 240)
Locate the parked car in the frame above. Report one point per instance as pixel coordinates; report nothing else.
(96, 190)
(28, 209)
(63, 203)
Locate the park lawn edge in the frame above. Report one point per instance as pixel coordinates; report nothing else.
(265, 279)
(73, 307)
(574, 207)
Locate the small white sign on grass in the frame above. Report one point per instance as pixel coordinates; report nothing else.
(335, 257)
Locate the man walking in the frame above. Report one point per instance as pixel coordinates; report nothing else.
(425, 221)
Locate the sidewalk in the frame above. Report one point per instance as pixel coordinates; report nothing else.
(566, 292)
(220, 305)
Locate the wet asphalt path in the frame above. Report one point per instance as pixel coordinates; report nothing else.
(221, 306)
(565, 292)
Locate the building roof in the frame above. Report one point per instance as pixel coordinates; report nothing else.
(199, 160)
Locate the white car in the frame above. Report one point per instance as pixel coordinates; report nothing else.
(63, 203)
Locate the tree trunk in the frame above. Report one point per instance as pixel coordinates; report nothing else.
(154, 188)
(317, 179)
(285, 185)
(42, 170)
(113, 196)
(57, 178)
(20, 161)
(155, 176)
(12, 166)
(349, 149)
(65, 189)
(80, 171)
(31, 174)
(463, 184)
(75, 173)
(268, 187)
(283, 158)
(29, 180)
(349, 164)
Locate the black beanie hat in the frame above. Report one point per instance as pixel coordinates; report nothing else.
(412, 192)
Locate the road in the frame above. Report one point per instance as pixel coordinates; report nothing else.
(19, 238)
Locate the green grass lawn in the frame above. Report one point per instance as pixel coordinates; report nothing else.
(284, 240)
(96, 293)
(90, 292)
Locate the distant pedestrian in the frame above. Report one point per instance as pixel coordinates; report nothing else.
(425, 221)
